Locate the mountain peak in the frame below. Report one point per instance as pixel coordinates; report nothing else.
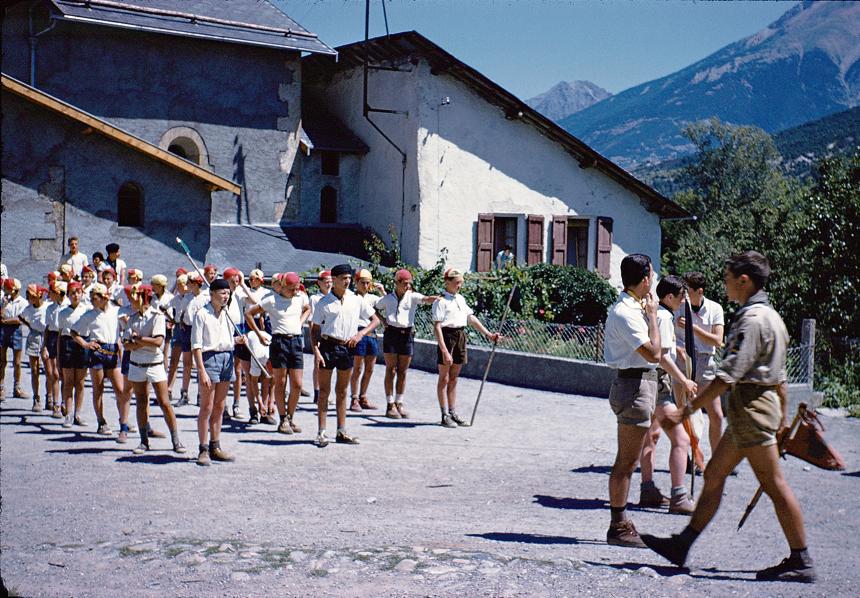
(567, 97)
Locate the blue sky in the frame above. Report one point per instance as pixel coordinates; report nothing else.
(527, 46)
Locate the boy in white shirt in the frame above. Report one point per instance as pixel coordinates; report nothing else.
(451, 315)
(398, 309)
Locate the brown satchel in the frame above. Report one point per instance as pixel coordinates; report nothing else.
(807, 442)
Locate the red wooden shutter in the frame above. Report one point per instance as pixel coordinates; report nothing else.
(534, 240)
(484, 257)
(559, 240)
(604, 245)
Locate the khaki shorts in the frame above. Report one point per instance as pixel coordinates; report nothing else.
(633, 399)
(706, 368)
(754, 414)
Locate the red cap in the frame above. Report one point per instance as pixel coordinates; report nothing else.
(86, 269)
(129, 289)
(109, 271)
(9, 283)
(181, 271)
(53, 275)
(403, 274)
(302, 288)
(75, 285)
(210, 268)
(290, 278)
(325, 274)
(230, 273)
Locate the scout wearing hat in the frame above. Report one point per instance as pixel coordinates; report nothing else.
(72, 358)
(212, 343)
(180, 343)
(287, 310)
(333, 333)
(98, 331)
(145, 337)
(324, 284)
(10, 334)
(366, 351)
(397, 309)
(56, 301)
(451, 315)
(34, 316)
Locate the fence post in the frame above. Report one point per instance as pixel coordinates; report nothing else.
(807, 341)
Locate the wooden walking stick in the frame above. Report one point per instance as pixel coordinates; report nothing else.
(697, 459)
(187, 251)
(492, 354)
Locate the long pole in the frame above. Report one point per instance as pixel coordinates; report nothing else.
(492, 354)
(187, 252)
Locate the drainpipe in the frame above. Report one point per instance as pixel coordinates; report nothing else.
(33, 38)
(367, 110)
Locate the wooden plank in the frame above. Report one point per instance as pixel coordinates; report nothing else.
(534, 239)
(559, 240)
(484, 258)
(119, 135)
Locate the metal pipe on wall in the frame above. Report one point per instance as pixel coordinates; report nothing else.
(33, 38)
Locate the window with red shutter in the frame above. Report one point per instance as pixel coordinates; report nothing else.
(534, 237)
(604, 245)
(559, 240)
(484, 250)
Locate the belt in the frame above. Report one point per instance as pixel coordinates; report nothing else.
(454, 328)
(634, 373)
(398, 329)
(286, 336)
(331, 339)
(101, 349)
(144, 365)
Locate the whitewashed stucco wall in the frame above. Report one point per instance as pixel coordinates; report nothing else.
(379, 185)
(471, 159)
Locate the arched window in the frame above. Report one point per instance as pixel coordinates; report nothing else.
(186, 143)
(129, 205)
(328, 204)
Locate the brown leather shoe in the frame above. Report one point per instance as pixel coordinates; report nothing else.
(296, 429)
(365, 404)
(681, 505)
(402, 410)
(651, 497)
(284, 427)
(203, 458)
(392, 412)
(37, 405)
(624, 534)
(218, 454)
(354, 405)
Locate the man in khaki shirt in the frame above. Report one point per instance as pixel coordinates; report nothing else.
(753, 369)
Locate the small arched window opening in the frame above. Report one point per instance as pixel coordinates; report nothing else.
(185, 148)
(328, 205)
(129, 205)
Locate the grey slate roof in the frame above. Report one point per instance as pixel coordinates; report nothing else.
(251, 22)
(245, 245)
(326, 132)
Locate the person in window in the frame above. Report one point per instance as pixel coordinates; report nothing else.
(505, 258)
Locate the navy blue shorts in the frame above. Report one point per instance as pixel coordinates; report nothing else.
(51, 337)
(106, 358)
(368, 345)
(241, 352)
(181, 338)
(335, 355)
(72, 355)
(285, 351)
(397, 340)
(11, 338)
(126, 362)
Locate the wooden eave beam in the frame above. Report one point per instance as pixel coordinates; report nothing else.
(97, 125)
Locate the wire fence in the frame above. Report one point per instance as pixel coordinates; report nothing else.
(579, 342)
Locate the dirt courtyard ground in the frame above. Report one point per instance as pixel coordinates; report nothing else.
(515, 506)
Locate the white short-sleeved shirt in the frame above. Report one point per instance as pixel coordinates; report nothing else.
(314, 299)
(120, 268)
(98, 325)
(710, 314)
(51, 313)
(258, 349)
(259, 293)
(339, 319)
(194, 305)
(36, 318)
(14, 308)
(451, 311)
(116, 293)
(666, 323)
(77, 261)
(150, 323)
(210, 332)
(399, 313)
(285, 314)
(68, 316)
(626, 330)
(179, 305)
(371, 300)
(163, 303)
